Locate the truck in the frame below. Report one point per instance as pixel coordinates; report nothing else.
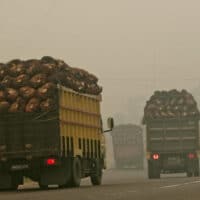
(58, 147)
(128, 146)
(173, 146)
(172, 135)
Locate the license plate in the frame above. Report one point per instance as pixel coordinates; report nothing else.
(19, 167)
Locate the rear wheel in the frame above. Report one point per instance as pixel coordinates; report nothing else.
(96, 178)
(189, 174)
(76, 173)
(153, 171)
(196, 173)
(196, 168)
(68, 174)
(150, 174)
(16, 180)
(14, 186)
(193, 169)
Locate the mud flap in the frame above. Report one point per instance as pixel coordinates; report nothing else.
(59, 175)
(53, 176)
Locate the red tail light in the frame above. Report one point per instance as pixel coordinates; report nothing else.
(191, 156)
(156, 156)
(51, 161)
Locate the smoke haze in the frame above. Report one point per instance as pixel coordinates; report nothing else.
(133, 46)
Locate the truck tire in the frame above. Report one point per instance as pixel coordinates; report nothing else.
(76, 173)
(14, 186)
(157, 173)
(196, 168)
(68, 174)
(16, 180)
(196, 173)
(150, 171)
(189, 174)
(153, 171)
(150, 174)
(193, 169)
(10, 181)
(96, 178)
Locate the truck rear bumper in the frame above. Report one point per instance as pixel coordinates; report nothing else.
(174, 162)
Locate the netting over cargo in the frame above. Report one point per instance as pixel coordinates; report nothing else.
(170, 104)
(30, 85)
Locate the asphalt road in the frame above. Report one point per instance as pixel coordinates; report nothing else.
(117, 185)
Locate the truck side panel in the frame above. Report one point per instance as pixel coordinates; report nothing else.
(80, 124)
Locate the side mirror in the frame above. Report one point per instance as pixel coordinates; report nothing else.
(110, 123)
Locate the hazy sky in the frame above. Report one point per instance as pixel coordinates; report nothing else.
(134, 46)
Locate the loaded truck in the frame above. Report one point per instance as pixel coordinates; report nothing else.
(128, 146)
(172, 146)
(57, 147)
(50, 124)
(172, 140)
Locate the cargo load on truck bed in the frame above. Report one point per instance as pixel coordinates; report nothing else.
(29, 86)
(170, 104)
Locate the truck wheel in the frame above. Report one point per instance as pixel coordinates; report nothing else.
(14, 186)
(150, 174)
(153, 171)
(189, 174)
(68, 174)
(96, 178)
(157, 173)
(16, 180)
(196, 173)
(76, 173)
(196, 168)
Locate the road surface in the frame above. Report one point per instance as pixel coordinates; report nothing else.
(117, 185)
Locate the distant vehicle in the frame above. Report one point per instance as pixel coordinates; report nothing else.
(172, 140)
(128, 146)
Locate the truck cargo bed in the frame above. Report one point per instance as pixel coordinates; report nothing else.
(35, 134)
(174, 135)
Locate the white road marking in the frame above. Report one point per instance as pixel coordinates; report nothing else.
(179, 185)
(170, 186)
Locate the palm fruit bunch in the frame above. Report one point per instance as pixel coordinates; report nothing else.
(170, 104)
(30, 85)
